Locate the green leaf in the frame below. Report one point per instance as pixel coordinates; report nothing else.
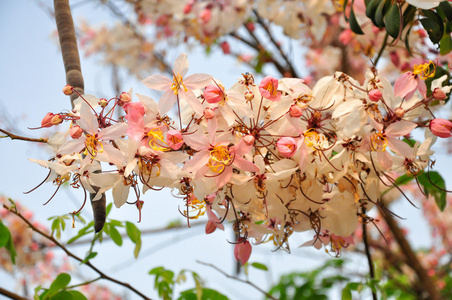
(346, 294)
(133, 232)
(392, 21)
(6, 240)
(59, 283)
(371, 9)
(108, 209)
(404, 179)
(446, 7)
(115, 236)
(429, 181)
(407, 40)
(379, 15)
(354, 25)
(207, 294)
(445, 44)
(137, 249)
(88, 257)
(434, 26)
(259, 266)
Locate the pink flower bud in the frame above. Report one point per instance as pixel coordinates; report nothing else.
(395, 58)
(125, 97)
(375, 95)
(210, 227)
(286, 146)
(68, 90)
(225, 47)
(439, 94)
(47, 120)
(346, 36)
(213, 93)
(440, 127)
(187, 8)
(242, 251)
(75, 132)
(295, 111)
(209, 113)
(250, 26)
(103, 102)
(269, 88)
(56, 119)
(174, 139)
(205, 16)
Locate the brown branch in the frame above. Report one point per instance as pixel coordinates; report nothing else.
(68, 43)
(74, 78)
(22, 138)
(425, 281)
(292, 71)
(11, 295)
(70, 254)
(368, 255)
(238, 279)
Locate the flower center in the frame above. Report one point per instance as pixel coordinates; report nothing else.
(425, 70)
(378, 142)
(219, 158)
(91, 143)
(149, 167)
(313, 140)
(177, 84)
(156, 140)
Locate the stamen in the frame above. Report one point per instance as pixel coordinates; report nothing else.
(219, 158)
(378, 142)
(177, 83)
(91, 143)
(424, 70)
(155, 137)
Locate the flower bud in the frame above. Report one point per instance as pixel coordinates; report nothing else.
(440, 127)
(439, 94)
(209, 113)
(205, 16)
(295, 111)
(47, 120)
(68, 90)
(103, 102)
(75, 132)
(225, 47)
(375, 95)
(242, 251)
(400, 112)
(250, 26)
(174, 139)
(56, 119)
(286, 146)
(249, 96)
(213, 93)
(125, 97)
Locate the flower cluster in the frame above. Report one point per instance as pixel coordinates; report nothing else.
(273, 157)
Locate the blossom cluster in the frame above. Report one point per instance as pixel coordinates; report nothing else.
(272, 157)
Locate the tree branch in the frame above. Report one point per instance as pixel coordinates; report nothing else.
(70, 254)
(22, 138)
(237, 279)
(11, 295)
(74, 78)
(412, 260)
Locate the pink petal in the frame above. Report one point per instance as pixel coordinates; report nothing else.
(113, 132)
(399, 147)
(404, 85)
(400, 128)
(199, 159)
(158, 82)
(197, 81)
(167, 101)
(181, 65)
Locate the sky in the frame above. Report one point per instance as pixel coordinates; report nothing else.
(30, 86)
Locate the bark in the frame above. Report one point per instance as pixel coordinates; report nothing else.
(71, 60)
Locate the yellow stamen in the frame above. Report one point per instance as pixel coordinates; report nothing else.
(424, 70)
(312, 139)
(177, 84)
(91, 143)
(378, 142)
(194, 205)
(219, 158)
(156, 140)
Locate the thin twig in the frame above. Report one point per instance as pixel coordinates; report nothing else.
(83, 283)
(238, 279)
(383, 46)
(369, 257)
(22, 138)
(11, 295)
(70, 254)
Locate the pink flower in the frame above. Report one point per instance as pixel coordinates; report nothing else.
(225, 47)
(242, 251)
(346, 36)
(205, 16)
(135, 106)
(209, 113)
(214, 221)
(407, 84)
(286, 146)
(441, 127)
(375, 95)
(47, 120)
(269, 88)
(174, 139)
(214, 93)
